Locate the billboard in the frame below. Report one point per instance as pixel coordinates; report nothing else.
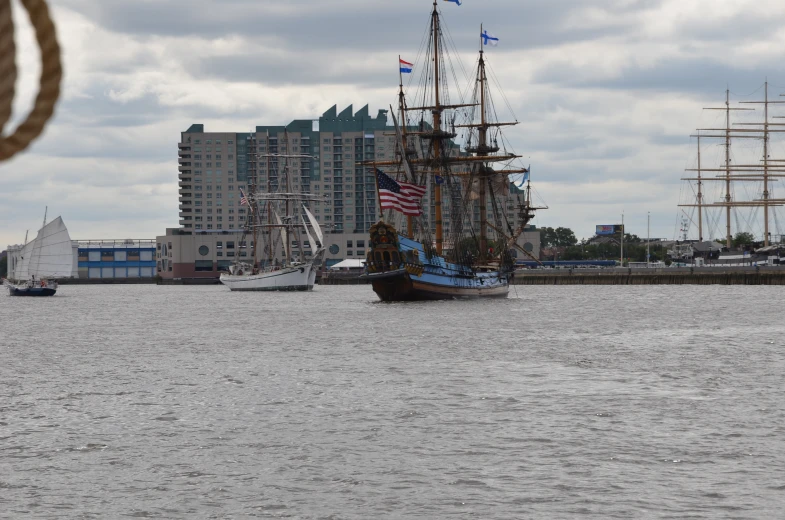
(609, 229)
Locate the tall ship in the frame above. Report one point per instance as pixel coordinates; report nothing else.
(731, 187)
(277, 217)
(48, 257)
(465, 257)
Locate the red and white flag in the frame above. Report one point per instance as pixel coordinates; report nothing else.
(400, 196)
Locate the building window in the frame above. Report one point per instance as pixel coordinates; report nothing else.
(230, 245)
(204, 250)
(203, 265)
(348, 243)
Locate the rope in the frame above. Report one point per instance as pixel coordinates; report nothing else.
(7, 63)
(51, 74)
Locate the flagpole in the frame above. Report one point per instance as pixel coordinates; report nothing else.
(378, 197)
(400, 74)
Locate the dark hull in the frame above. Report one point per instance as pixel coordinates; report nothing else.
(283, 288)
(398, 286)
(32, 291)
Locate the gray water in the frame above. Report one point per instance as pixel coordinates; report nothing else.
(559, 402)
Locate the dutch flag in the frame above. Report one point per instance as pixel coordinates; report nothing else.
(406, 67)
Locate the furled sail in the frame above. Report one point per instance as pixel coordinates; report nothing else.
(52, 255)
(284, 234)
(316, 228)
(311, 241)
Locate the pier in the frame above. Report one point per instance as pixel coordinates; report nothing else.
(762, 275)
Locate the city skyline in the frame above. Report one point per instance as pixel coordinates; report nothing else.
(607, 95)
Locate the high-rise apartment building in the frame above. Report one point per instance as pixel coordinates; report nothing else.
(215, 166)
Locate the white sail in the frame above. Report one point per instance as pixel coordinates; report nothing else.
(284, 235)
(316, 228)
(22, 264)
(310, 238)
(52, 255)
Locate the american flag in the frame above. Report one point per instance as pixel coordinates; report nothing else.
(243, 198)
(400, 196)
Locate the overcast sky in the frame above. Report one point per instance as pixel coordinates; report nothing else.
(607, 92)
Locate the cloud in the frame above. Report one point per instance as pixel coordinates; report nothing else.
(607, 94)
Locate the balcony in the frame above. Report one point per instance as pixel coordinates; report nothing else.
(185, 167)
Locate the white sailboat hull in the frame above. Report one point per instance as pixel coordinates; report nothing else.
(298, 278)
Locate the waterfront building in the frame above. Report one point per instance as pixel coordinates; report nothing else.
(115, 259)
(215, 166)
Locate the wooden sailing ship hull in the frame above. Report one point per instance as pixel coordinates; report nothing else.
(399, 270)
(298, 278)
(401, 286)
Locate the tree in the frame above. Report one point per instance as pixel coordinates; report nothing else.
(742, 238)
(557, 237)
(4, 266)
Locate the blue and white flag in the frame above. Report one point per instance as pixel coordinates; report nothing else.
(454, 1)
(523, 180)
(489, 39)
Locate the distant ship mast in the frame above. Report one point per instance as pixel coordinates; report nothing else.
(740, 172)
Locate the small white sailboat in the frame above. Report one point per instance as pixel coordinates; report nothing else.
(46, 258)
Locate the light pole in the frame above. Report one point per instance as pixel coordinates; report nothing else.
(648, 237)
(621, 254)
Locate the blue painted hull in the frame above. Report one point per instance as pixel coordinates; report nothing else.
(31, 291)
(420, 278)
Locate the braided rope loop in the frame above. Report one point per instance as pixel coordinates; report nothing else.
(51, 74)
(7, 62)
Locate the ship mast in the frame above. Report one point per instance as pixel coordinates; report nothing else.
(270, 253)
(743, 172)
(437, 126)
(728, 237)
(286, 247)
(482, 143)
(252, 206)
(404, 145)
(438, 159)
(767, 201)
(700, 197)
